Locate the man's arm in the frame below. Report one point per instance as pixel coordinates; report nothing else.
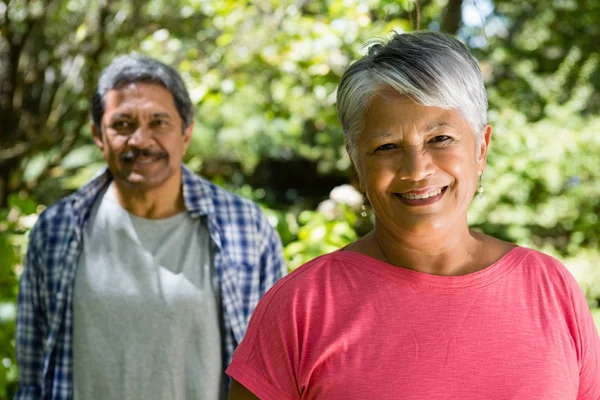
(239, 392)
(30, 316)
(272, 263)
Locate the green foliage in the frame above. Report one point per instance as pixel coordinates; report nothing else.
(542, 189)
(276, 85)
(539, 52)
(15, 223)
(263, 76)
(319, 234)
(543, 180)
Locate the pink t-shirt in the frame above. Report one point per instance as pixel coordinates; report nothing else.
(347, 326)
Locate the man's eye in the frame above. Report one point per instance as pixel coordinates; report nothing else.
(384, 147)
(160, 122)
(121, 125)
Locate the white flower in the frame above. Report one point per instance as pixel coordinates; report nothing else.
(347, 194)
(329, 209)
(29, 220)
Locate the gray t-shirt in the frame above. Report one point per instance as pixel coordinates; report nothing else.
(146, 309)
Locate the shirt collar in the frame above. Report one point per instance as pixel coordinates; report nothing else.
(196, 194)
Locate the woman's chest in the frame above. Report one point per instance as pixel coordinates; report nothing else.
(453, 353)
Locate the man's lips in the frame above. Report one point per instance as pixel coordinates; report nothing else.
(145, 160)
(142, 157)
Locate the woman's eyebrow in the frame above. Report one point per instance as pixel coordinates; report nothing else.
(381, 135)
(438, 125)
(429, 128)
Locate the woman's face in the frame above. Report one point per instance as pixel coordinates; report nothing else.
(418, 165)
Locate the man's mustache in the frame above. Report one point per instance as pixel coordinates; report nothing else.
(132, 154)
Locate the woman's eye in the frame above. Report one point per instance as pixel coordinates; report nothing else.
(387, 146)
(441, 139)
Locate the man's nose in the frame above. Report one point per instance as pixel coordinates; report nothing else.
(416, 164)
(141, 137)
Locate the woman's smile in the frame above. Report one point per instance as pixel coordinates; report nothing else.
(421, 198)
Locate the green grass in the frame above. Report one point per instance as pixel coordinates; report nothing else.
(596, 315)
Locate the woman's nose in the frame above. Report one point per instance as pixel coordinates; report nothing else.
(416, 164)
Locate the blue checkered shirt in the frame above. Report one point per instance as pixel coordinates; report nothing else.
(247, 258)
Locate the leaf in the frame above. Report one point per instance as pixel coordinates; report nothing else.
(81, 156)
(25, 204)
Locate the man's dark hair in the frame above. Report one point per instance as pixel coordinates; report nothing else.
(134, 68)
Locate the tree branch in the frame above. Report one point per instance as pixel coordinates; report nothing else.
(68, 145)
(417, 15)
(451, 17)
(18, 150)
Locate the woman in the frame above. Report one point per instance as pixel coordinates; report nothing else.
(422, 307)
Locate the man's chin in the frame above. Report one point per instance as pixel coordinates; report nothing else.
(142, 182)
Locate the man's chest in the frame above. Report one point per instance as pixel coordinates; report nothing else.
(135, 269)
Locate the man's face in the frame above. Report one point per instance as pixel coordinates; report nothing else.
(142, 137)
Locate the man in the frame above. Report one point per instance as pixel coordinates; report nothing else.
(141, 284)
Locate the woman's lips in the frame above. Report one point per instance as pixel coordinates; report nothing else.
(425, 199)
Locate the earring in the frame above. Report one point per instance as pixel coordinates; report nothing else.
(363, 207)
(480, 185)
(363, 210)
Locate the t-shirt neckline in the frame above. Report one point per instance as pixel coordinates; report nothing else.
(165, 223)
(475, 280)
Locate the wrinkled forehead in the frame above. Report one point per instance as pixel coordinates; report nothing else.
(139, 97)
(390, 110)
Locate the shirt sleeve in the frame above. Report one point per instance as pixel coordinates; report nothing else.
(589, 350)
(266, 359)
(30, 323)
(272, 263)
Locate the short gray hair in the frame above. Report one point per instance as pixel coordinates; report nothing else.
(431, 68)
(133, 68)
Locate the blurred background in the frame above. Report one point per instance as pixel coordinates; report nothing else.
(263, 75)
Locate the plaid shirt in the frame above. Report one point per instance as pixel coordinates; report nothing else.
(247, 258)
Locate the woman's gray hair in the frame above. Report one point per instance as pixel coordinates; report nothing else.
(133, 68)
(431, 68)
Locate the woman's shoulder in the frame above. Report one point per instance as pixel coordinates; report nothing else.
(330, 275)
(317, 271)
(529, 266)
(534, 261)
(546, 269)
(537, 260)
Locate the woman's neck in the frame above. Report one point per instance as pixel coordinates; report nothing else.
(442, 253)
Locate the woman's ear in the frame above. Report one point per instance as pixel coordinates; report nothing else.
(484, 146)
(356, 171)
